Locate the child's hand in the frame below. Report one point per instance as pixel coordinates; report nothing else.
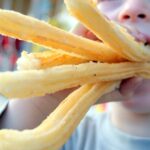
(127, 87)
(80, 30)
(126, 90)
(29, 113)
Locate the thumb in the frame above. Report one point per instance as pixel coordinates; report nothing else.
(128, 86)
(80, 30)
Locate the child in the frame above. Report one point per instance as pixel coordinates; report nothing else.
(126, 125)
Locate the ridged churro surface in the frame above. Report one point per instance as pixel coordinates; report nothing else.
(39, 32)
(109, 32)
(97, 67)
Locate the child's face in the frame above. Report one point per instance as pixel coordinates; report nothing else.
(135, 16)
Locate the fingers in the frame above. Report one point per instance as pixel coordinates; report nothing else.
(128, 86)
(80, 30)
(126, 90)
(91, 36)
(110, 97)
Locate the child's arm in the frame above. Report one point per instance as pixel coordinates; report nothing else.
(28, 113)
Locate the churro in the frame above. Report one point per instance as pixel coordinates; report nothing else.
(97, 67)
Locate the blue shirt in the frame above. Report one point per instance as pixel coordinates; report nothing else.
(96, 132)
(3, 104)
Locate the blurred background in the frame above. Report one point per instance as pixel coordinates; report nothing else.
(52, 11)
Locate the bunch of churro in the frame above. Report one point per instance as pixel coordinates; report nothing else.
(72, 61)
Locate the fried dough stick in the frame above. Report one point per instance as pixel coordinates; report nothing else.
(30, 29)
(47, 59)
(109, 32)
(21, 84)
(57, 128)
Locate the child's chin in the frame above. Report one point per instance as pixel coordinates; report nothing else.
(137, 106)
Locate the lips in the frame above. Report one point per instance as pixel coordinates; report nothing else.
(138, 35)
(147, 40)
(141, 37)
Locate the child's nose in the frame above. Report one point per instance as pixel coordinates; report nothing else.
(133, 12)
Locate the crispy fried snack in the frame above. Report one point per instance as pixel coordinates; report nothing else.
(109, 32)
(40, 32)
(84, 63)
(47, 59)
(56, 129)
(61, 77)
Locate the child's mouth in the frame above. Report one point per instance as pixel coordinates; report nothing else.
(145, 40)
(146, 43)
(140, 37)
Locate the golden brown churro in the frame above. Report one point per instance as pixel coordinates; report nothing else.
(47, 59)
(57, 70)
(51, 134)
(32, 30)
(61, 77)
(109, 32)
